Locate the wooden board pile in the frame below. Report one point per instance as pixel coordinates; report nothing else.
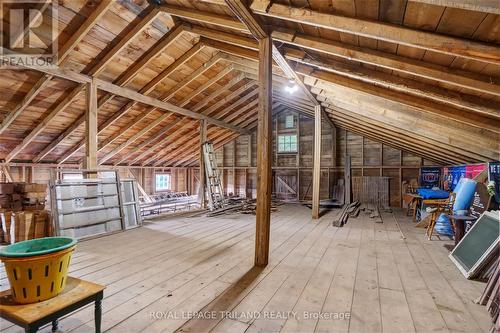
(349, 210)
(22, 212)
(373, 211)
(242, 206)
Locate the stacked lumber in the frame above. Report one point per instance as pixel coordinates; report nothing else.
(22, 212)
(373, 211)
(242, 206)
(349, 210)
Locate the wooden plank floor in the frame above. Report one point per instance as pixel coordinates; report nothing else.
(360, 278)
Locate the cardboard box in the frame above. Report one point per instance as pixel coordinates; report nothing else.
(6, 219)
(16, 196)
(35, 195)
(40, 220)
(6, 188)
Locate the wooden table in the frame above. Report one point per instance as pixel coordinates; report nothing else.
(31, 317)
(412, 200)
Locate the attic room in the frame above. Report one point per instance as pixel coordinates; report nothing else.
(249, 166)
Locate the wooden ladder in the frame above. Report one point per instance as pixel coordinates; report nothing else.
(214, 186)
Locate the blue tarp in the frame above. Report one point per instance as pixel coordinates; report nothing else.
(426, 193)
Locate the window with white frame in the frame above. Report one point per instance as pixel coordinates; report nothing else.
(162, 181)
(287, 143)
(289, 121)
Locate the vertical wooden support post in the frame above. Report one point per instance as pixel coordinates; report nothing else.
(316, 162)
(264, 151)
(249, 154)
(90, 161)
(233, 162)
(347, 177)
(203, 139)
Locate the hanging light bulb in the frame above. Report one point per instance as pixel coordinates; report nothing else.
(291, 87)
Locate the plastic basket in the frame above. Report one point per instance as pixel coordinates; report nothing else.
(37, 269)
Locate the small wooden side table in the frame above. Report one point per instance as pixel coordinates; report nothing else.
(459, 222)
(31, 317)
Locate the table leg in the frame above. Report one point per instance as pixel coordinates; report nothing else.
(31, 329)
(97, 315)
(55, 325)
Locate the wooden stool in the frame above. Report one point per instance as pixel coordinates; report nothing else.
(31, 317)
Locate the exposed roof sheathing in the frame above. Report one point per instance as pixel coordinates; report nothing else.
(431, 89)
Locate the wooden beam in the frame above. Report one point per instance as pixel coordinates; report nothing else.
(173, 66)
(64, 51)
(125, 78)
(45, 121)
(471, 141)
(391, 131)
(135, 137)
(213, 107)
(377, 58)
(316, 186)
(160, 46)
(143, 145)
(60, 138)
(90, 161)
(146, 89)
(264, 150)
(141, 98)
(398, 34)
(389, 61)
(196, 15)
(75, 38)
(247, 18)
(81, 78)
(405, 85)
(446, 112)
(149, 15)
(28, 98)
(203, 139)
(485, 6)
(183, 102)
(188, 79)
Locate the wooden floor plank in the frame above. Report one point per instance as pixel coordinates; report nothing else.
(364, 273)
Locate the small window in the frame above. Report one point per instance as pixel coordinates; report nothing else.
(289, 120)
(287, 143)
(162, 181)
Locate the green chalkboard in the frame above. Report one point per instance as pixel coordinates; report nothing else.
(478, 244)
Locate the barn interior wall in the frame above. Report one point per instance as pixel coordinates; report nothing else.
(292, 172)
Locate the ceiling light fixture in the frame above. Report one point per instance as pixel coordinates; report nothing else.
(291, 87)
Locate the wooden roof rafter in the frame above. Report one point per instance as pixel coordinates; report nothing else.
(125, 78)
(439, 43)
(62, 57)
(95, 69)
(196, 108)
(183, 103)
(377, 58)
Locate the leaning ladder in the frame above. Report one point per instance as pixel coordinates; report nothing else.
(214, 186)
